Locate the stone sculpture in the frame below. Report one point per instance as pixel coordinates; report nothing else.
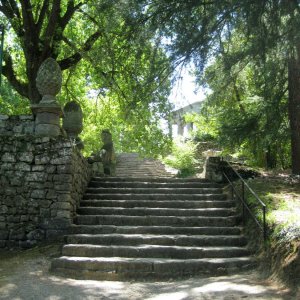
(48, 111)
(72, 122)
(105, 159)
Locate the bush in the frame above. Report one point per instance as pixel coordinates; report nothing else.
(182, 157)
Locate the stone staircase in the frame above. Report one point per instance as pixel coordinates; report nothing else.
(153, 228)
(131, 165)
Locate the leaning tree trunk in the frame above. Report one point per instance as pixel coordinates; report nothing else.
(294, 111)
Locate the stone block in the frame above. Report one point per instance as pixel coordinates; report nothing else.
(3, 209)
(38, 168)
(17, 181)
(26, 117)
(38, 194)
(63, 178)
(17, 234)
(44, 203)
(24, 218)
(8, 157)
(13, 219)
(47, 118)
(18, 129)
(47, 130)
(10, 191)
(6, 167)
(61, 160)
(63, 187)
(42, 159)
(51, 194)
(64, 214)
(48, 185)
(51, 169)
(29, 129)
(36, 176)
(3, 244)
(65, 169)
(62, 206)
(64, 198)
(26, 157)
(4, 117)
(45, 213)
(22, 166)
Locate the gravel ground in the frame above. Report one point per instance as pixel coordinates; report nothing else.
(24, 275)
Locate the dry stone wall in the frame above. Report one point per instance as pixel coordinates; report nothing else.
(41, 183)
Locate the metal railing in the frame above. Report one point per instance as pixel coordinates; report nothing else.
(242, 197)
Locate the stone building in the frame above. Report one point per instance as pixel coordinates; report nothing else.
(179, 126)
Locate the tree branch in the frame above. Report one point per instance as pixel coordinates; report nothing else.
(76, 57)
(27, 14)
(42, 15)
(11, 11)
(52, 23)
(71, 9)
(8, 72)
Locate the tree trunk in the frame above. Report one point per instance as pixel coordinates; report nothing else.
(294, 111)
(270, 156)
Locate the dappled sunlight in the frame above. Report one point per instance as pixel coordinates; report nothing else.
(42, 285)
(222, 286)
(170, 296)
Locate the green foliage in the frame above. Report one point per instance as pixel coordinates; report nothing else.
(182, 157)
(11, 102)
(120, 78)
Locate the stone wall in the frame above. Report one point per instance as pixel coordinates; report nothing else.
(16, 125)
(41, 183)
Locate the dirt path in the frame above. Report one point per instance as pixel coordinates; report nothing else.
(24, 275)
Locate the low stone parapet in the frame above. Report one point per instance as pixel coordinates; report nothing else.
(41, 183)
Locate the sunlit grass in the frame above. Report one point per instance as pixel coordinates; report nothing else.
(282, 197)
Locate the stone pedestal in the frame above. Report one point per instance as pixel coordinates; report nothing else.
(48, 111)
(47, 121)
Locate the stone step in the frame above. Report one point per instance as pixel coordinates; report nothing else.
(148, 185)
(157, 179)
(154, 191)
(120, 220)
(125, 268)
(159, 211)
(144, 223)
(159, 204)
(168, 240)
(160, 230)
(151, 251)
(157, 196)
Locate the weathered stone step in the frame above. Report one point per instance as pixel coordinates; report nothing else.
(158, 179)
(148, 185)
(159, 204)
(154, 191)
(168, 240)
(175, 252)
(154, 220)
(159, 211)
(162, 230)
(157, 196)
(121, 268)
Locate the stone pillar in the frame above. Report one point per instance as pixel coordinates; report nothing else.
(180, 128)
(48, 112)
(213, 169)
